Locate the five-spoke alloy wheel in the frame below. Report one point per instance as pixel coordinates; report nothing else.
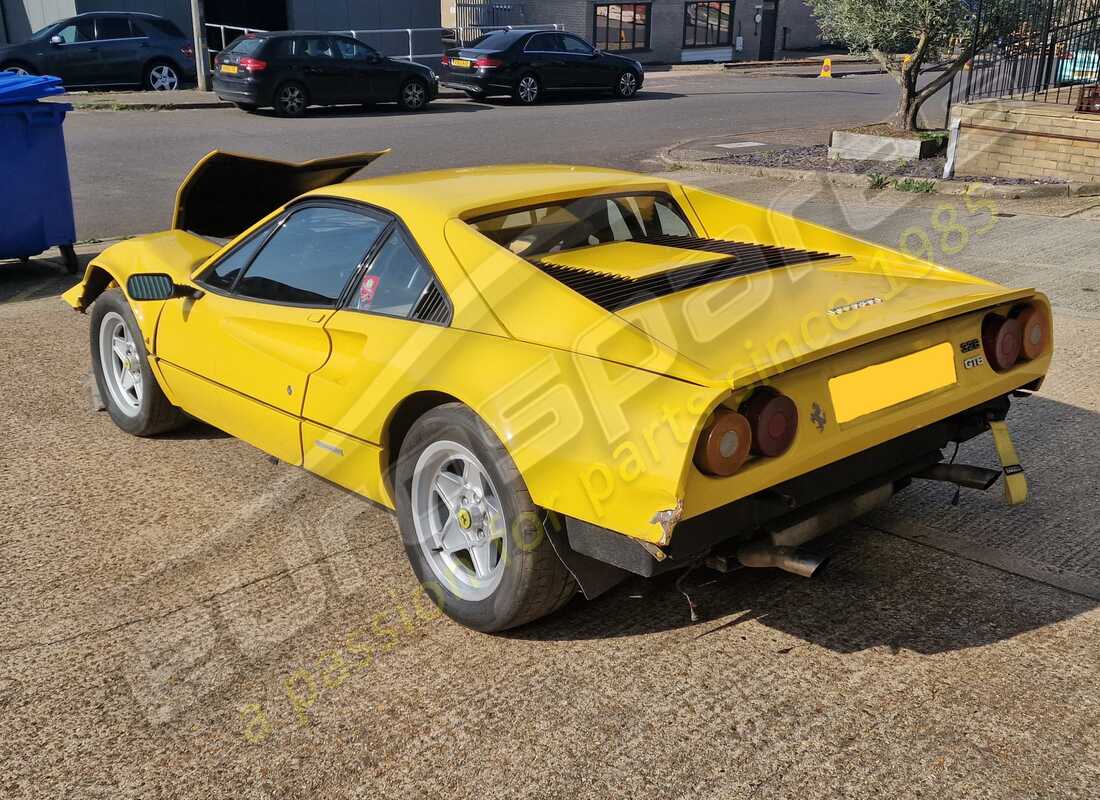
(291, 100)
(162, 77)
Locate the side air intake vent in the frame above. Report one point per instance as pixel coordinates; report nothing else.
(432, 306)
(614, 292)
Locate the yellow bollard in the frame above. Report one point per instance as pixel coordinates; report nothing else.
(826, 68)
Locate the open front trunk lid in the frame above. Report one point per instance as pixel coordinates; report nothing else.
(225, 193)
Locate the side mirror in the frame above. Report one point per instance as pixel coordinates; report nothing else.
(157, 286)
(56, 40)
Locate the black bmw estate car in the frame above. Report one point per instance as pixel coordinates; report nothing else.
(291, 70)
(526, 64)
(107, 49)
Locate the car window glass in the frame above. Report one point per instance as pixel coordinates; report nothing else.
(224, 274)
(165, 26)
(497, 40)
(575, 45)
(113, 28)
(317, 47)
(245, 46)
(544, 43)
(352, 50)
(311, 256)
(80, 32)
(394, 281)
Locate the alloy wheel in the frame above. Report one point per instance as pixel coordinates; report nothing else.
(628, 84)
(528, 89)
(162, 78)
(413, 95)
(121, 364)
(459, 520)
(16, 71)
(292, 100)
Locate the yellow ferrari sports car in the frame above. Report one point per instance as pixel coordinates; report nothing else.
(558, 376)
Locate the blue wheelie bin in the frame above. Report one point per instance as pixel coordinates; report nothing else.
(36, 201)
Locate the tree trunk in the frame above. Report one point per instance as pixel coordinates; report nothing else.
(909, 102)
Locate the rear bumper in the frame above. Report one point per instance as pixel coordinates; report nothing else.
(483, 82)
(241, 92)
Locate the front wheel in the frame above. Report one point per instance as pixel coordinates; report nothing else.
(17, 69)
(414, 95)
(473, 535)
(123, 377)
(161, 76)
(627, 85)
(527, 90)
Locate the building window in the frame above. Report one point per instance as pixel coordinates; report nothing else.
(622, 26)
(708, 24)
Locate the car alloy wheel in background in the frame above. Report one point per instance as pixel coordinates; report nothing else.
(627, 85)
(527, 90)
(16, 70)
(162, 78)
(290, 100)
(413, 96)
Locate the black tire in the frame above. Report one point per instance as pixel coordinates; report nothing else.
(477, 97)
(68, 256)
(626, 85)
(12, 66)
(161, 76)
(534, 581)
(413, 95)
(247, 107)
(528, 89)
(155, 414)
(290, 99)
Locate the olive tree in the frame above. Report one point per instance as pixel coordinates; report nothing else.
(906, 35)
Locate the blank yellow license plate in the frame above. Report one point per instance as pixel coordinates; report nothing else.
(874, 388)
(229, 69)
(460, 62)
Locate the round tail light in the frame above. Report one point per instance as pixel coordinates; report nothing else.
(773, 418)
(724, 444)
(1002, 338)
(1034, 331)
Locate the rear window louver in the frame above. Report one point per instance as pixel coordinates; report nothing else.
(432, 306)
(614, 292)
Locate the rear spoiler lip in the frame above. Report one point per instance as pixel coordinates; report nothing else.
(287, 180)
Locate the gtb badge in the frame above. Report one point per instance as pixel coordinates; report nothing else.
(836, 311)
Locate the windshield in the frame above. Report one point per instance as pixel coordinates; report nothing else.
(584, 222)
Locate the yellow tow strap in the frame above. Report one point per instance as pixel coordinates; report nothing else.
(1015, 480)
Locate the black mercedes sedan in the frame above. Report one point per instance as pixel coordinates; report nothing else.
(292, 70)
(106, 48)
(524, 64)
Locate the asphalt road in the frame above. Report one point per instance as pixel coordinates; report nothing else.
(181, 618)
(126, 165)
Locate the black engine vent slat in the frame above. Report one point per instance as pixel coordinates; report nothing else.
(614, 292)
(432, 306)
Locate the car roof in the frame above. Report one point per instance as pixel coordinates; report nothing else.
(460, 193)
(143, 14)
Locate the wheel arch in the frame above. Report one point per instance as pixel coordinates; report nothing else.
(401, 420)
(19, 62)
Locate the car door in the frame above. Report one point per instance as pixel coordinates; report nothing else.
(325, 75)
(584, 64)
(544, 53)
(240, 356)
(74, 54)
(391, 327)
(119, 50)
(360, 64)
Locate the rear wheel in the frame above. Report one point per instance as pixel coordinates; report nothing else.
(120, 364)
(473, 535)
(291, 99)
(161, 76)
(528, 89)
(627, 85)
(414, 95)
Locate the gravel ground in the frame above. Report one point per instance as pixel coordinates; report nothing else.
(816, 157)
(184, 619)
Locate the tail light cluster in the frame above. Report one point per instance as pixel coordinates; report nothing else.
(764, 425)
(1022, 335)
(488, 63)
(252, 64)
(188, 51)
(445, 60)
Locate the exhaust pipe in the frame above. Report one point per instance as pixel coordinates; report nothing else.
(761, 554)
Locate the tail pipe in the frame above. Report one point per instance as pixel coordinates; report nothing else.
(789, 559)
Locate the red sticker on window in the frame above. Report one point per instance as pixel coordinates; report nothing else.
(367, 290)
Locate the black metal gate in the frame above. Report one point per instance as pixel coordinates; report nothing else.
(477, 18)
(1047, 51)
